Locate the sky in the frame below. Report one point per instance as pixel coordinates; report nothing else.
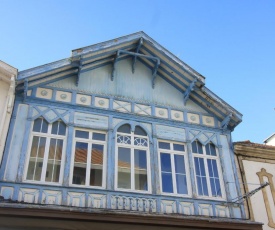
(230, 42)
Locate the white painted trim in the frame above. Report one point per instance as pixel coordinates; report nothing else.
(173, 152)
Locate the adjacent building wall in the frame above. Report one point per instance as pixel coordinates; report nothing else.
(7, 86)
(257, 166)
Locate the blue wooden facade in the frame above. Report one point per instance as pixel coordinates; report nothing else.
(130, 81)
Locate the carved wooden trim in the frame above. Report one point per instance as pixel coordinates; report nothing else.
(269, 176)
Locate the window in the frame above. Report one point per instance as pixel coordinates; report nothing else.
(207, 169)
(173, 168)
(132, 159)
(89, 158)
(46, 151)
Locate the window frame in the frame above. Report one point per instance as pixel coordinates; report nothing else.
(132, 147)
(48, 137)
(205, 157)
(89, 155)
(172, 153)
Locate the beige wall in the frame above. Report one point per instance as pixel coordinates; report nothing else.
(7, 86)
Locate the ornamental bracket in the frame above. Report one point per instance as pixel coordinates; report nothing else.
(135, 57)
(188, 91)
(156, 59)
(26, 85)
(225, 122)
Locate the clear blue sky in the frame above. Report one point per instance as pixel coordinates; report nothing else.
(230, 42)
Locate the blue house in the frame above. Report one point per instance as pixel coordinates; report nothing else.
(124, 134)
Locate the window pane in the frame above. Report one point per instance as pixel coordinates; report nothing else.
(179, 147)
(181, 184)
(199, 147)
(140, 131)
(194, 147)
(44, 128)
(62, 128)
(213, 150)
(204, 186)
(167, 184)
(164, 145)
(96, 165)
(34, 149)
(80, 163)
(82, 134)
(124, 129)
(201, 176)
(124, 168)
(99, 136)
(37, 125)
(54, 160)
(214, 177)
(140, 163)
(179, 164)
(55, 128)
(165, 162)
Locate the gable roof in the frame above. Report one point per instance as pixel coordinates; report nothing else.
(139, 46)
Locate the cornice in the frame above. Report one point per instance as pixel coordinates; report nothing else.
(254, 151)
(7, 72)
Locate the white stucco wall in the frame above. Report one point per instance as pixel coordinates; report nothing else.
(259, 208)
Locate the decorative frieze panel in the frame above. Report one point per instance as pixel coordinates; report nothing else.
(161, 112)
(222, 211)
(76, 199)
(177, 115)
(102, 102)
(193, 118)
(203, 137)
(83, 99)
(143, 109)
(209, 121)
(133, 203)
(63, 96)
(28, 195)
(97, 201)
(122, 106)
(168, 206)
(44, 93)
(7, 192)
(51, 197)
(186, 208)
(205, 209)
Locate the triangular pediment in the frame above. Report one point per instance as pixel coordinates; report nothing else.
(137, 67)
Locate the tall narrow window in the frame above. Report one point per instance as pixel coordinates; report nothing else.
(46, 151)
(132, 156)
(207, 169)
(173, 168)
(89, 158)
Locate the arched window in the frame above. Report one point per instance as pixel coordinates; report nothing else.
(207, 169)
(132, 159)
(46, 151)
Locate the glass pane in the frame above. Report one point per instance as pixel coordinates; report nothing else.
(99, 136)
(31, 168)
(213, 150)
(204, 186)
(164, 145)
(210, 169)
(165, 160)
(82, 134)
(199, 185)
(201, 177)
(38, 169)
(55, 128)
(44, 126)
(207, 149)
(124, 168)
(80, 163)
(218, 187)
(96, 165)
(140, 131)
(37, 125)
(62, 128)
(41, 148)
(178, 147)
(124, 129)
(34, 149)
(167, 184)
(140, 163)
(181, 184)
(199, 147)
(179, 164)
(194, 147)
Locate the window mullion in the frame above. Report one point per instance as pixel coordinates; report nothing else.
(46, 154)
(173, 173)
(88, 164)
